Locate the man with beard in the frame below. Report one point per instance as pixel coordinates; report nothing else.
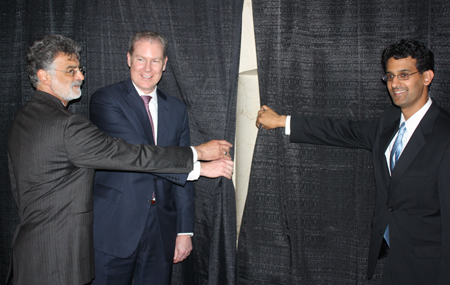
(52, 156)
(410, 143)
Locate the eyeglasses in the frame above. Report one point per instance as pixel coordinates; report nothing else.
(401, 76)
(71, 72)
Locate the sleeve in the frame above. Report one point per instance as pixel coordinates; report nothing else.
(88, 147)
(107, 114)
(326, 131)
(13, 181)
(184, 196)
(444, 200)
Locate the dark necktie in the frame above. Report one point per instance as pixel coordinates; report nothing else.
(146, 99)
(395, 154)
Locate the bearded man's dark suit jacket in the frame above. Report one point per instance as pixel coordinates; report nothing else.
(52, 156)
(414, 201)
(120, 198)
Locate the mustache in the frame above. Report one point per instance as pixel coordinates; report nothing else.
(76, 83)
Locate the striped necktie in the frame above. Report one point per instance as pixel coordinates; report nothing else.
(396, 151)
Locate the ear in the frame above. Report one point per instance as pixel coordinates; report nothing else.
(428, 77)
(44, 77)
(165, 62)
(128, 59)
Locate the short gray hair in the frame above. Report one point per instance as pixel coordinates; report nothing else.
(45, 50)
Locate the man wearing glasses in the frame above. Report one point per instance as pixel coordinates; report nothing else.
(52, 156)
(411, 156)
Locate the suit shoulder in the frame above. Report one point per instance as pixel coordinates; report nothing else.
(443, 121)
(437, 124)
(444, 115)
(111, 90)
(171, 99)
(391, 111)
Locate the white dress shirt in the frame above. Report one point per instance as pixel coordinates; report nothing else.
(411, 125)
(153, 106)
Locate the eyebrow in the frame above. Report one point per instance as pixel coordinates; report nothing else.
(403, 70)
(72, 67)
(151, 58)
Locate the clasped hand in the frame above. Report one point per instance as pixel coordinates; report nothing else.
(217, 153)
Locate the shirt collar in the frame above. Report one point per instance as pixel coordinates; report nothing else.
(153, 94)
(412, 123)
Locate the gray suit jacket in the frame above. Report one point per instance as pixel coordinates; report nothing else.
(52, 155)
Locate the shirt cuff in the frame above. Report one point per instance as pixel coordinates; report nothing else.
(195, 173)
(195, 155)
(287, 127)
(187, 234)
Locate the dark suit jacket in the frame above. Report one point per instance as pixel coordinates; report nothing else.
(52, 155)
(120, 198)
(414, 201)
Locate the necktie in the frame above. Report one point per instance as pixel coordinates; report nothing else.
(146, 100)
(398, 146)
(395, 154)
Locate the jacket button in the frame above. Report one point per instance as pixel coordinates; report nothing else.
(391, 209)
(149, 201)
(156, 179)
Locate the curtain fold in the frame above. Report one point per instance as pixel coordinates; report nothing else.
(308, 210)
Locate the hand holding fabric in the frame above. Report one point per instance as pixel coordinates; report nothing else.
(212, 150)
(269, 119)
(217, 168)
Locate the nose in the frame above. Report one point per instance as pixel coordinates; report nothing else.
(148, 65)
(79, 75)
(395, 81)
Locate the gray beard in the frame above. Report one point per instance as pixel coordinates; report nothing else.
(66, 94)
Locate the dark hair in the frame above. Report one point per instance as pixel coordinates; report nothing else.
(149, 36)
(406, 48)
(44, 51)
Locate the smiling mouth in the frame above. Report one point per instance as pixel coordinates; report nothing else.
(399, 92)
(147, 77)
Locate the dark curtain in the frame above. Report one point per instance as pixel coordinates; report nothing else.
(204, 43)
(308, 211)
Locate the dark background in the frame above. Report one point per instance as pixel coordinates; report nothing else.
(308, 210)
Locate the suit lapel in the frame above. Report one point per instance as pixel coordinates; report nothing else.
(385, 139)
(415, 144)
(163, 118)
(138, 111)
